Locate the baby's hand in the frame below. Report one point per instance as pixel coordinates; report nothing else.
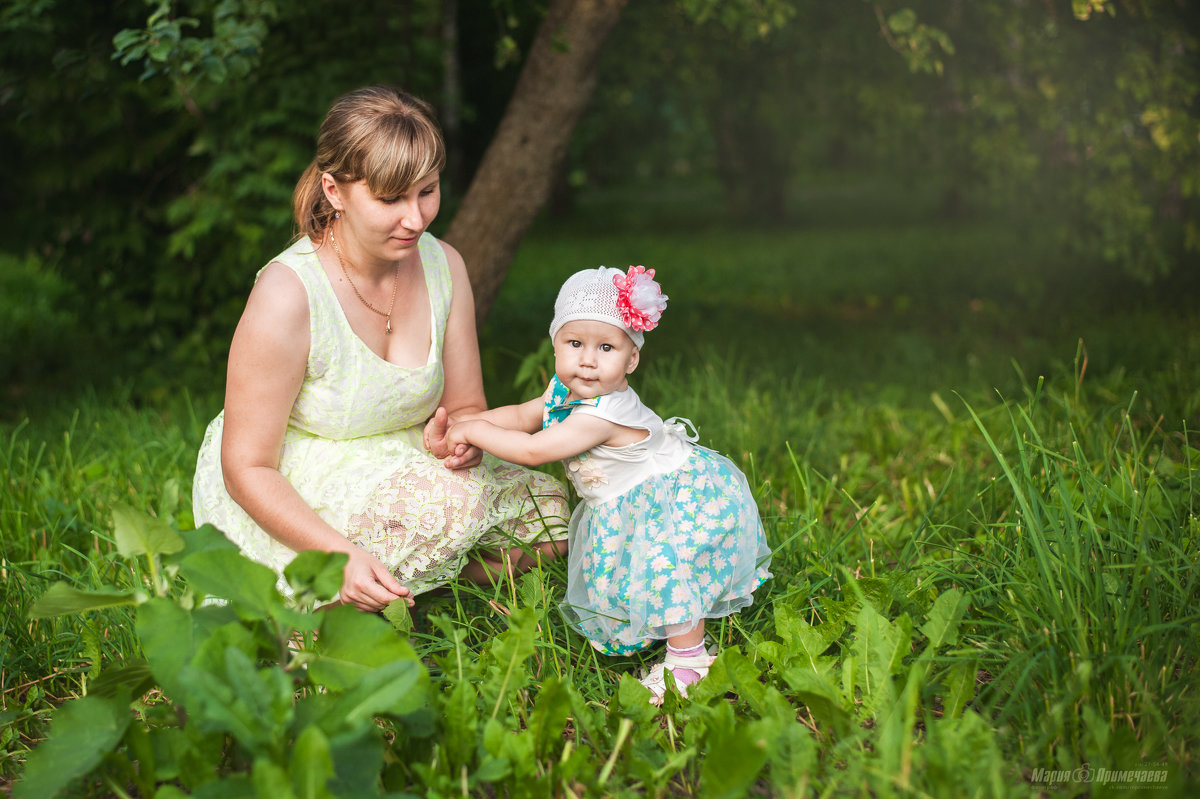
(461, 453)
(456, 434)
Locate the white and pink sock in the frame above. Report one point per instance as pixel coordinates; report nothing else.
(686, 676)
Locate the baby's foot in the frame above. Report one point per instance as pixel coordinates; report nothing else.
(687, 666)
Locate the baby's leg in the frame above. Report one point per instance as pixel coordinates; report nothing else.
(686, 659)
(687, 645)
(689, 639)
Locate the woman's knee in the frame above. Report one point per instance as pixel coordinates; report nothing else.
(552, 549)
(523, 559)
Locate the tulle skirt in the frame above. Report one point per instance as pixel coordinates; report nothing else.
(655, 561)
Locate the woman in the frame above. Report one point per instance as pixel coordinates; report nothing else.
(328, 439)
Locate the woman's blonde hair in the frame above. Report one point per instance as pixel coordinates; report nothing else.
(378, 134)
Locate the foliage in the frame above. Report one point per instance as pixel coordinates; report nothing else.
(35, 325)
(248, 701)
(190, 62)
(749, 20)
(901, 647)
(965, 590)
(1088, 107)
(159, 141)
(1097, 114)
(158, 179)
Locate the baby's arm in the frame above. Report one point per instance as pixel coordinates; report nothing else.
(578, 433)
(526, 417)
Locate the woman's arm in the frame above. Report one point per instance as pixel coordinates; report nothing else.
(463, 393)
(267, 361)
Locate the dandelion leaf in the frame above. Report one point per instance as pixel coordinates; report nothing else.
(351, 644)
(633, 700)
(227, 574)
(879, 648)
(735, 756)
(317, 573)
(820, 695)
(357, 760)
(138, 533)
(311, 766)
(941, 628)
(549, 716)
(960, 688)
(204, 538)
(61, 599)
(397, 688)
(800, 637)
(270, 779)
(167, 637)
(460, 722)
(82, 732)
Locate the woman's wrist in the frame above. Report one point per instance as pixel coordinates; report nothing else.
(464, 414)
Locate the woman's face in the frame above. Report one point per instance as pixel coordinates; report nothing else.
(383, 228)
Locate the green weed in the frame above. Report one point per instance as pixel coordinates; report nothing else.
(983, 572)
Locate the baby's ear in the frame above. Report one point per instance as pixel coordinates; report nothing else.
(633, 361)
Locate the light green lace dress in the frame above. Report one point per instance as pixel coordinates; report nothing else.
(353, 451)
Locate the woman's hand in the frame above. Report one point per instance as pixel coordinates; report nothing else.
(368, 585)
(434, 435)
(465, 456)
(454, 456)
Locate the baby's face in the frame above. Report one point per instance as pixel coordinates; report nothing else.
(592, 358)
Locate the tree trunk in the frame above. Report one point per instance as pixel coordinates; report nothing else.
(517, 172)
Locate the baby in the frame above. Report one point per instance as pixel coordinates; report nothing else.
(668, 533)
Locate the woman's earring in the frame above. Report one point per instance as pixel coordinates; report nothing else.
(337, 214)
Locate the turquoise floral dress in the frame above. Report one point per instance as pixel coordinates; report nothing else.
(667, 534)
(353, 451)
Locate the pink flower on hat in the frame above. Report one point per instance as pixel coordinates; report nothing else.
(640, 300)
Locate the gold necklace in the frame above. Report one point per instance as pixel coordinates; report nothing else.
(395, 282)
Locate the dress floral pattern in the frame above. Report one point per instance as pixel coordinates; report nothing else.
(353, 452)
(667, 535)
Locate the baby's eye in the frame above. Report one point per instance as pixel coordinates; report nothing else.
(606, 347)
(574, 343)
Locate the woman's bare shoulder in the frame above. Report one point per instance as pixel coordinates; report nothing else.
(280, 287)
(278, 300)
(454, 259)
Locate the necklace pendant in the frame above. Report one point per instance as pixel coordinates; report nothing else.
(388, 330)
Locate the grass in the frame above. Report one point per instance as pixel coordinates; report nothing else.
(969, 457)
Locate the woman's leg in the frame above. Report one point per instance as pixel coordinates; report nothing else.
(487, 569)
(425, 521)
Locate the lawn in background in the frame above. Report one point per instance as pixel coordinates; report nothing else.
(968, 451)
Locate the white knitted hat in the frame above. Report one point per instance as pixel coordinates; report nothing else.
(633, 302)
